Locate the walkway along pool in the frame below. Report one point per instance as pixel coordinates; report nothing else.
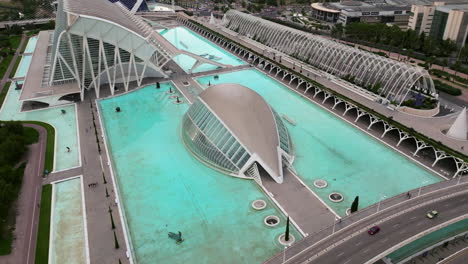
(353, 163)
(165, 189)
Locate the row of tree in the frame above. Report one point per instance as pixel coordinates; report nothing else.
(14, 139)
(379, 33)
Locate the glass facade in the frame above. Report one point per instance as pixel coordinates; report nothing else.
(438, 25)
(206, 137)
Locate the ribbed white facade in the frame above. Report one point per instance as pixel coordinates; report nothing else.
(391, 79)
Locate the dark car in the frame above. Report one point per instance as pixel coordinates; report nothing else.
(373, 230)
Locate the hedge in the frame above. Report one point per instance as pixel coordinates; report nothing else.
(443, 87)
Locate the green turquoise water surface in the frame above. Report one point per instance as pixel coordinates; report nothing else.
(165, 189)
(187, 40)
(68, 243)
(31, 45)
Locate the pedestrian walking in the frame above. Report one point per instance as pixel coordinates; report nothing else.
(68, 149)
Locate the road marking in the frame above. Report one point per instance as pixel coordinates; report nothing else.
(402, 231)
(395, 225)
(462, 200)
(359, 243)
(365, 250)
(414, 217)
(347, 261)
(32, 225)
(385, 240)
(420, 223)
(340, 254)
(447, 205)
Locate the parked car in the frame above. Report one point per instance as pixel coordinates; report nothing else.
(373, 230)
(432, 214)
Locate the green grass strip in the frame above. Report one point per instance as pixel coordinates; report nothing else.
(4, 64)
(50, 146)
(43, 232)
(437, 144)
(24, 45)
(4, 93)
(17, 62)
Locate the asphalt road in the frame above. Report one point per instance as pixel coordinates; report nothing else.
(363, 247)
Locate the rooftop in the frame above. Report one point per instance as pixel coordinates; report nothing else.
(252, 122)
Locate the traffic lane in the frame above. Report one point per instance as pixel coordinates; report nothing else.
(364, 246)
(365, 223)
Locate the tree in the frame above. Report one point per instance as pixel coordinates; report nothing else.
(355, 204)
(286, 236)
(337, 31)
(456, 67)
(444, 63)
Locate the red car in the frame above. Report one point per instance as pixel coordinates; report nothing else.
(373, 230)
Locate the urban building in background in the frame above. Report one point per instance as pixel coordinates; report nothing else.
(345, 12)
(441, 20)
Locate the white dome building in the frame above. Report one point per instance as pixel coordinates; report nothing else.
(232, 129)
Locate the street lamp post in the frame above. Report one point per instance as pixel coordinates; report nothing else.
(459, 178)
(382, 197)
(334, 223)
(419, 192)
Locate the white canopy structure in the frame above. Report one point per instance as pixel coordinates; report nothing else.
(391, 78)
(98, 42)
(459, 128)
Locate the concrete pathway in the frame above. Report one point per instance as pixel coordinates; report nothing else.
(303, 206)
(100, 233)
(61, 175)
(27, 218)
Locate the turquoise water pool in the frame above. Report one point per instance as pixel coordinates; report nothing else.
(67, 241)
(65, 124)
(23, 66)
(165, 189)
(429, 240)
(185, 39)
(326, 147)
(31, 45)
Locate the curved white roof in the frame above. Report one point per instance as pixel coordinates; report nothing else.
(246, 114)
(319, 6)
(105, 10)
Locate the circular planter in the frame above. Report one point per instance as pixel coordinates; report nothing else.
(320, 183)
(335, 197)
(271, 220)
(259, 204)
(283, 241)
(348, 211)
